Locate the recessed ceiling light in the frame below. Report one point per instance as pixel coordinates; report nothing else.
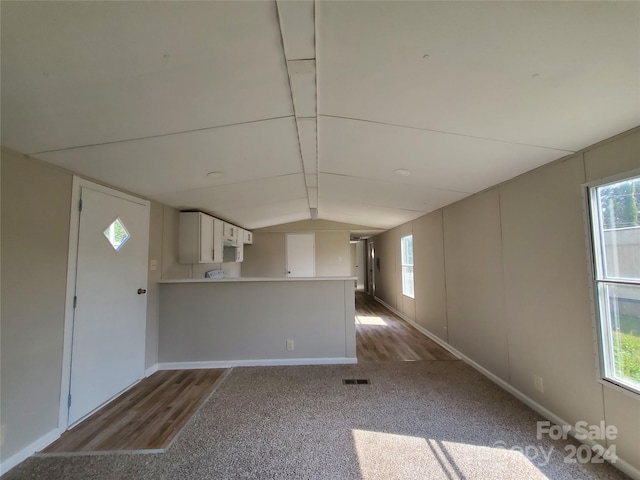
(215, 174)
(402, 172)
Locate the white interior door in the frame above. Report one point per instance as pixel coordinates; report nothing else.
(301, 256)
(360, 267)
(108, 346)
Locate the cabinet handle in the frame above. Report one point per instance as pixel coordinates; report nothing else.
(141, 291)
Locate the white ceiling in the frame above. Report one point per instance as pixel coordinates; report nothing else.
(314, 104)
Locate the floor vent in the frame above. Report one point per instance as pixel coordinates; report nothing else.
(355, 381)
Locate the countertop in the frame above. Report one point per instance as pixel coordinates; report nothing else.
(255, 279)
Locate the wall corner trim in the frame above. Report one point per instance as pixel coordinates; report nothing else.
(29, 450)
(256, 363)
(620, 464)
(151, 370)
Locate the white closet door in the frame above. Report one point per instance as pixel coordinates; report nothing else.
(301, 255)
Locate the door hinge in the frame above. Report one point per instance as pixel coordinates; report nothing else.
(75, 301)
(69, 401)
(80, 206)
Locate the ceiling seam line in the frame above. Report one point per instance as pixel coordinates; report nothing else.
(293, 104)
(157, 136)
(423, 212)
(262, 204)
(226, 184)
(394, 182)
(317, 152)
(445, 133)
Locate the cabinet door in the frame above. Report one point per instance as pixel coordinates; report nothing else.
(230, 235)
(217, 241)
(206, 238)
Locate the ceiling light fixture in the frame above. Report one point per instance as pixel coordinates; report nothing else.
(402, 172)
(425, 56)
(215, 174)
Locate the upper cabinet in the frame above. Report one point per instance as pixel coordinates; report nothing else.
(230, 235)
(200, 238)
(205, 239)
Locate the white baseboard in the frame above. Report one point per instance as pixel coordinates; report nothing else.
(29, 450)
(620, 464)
(628, 469)
(151, 370)
(256, 363)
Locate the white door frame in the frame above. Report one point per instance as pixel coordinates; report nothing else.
(72, 263)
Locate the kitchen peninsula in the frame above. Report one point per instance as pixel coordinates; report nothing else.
(213, 323)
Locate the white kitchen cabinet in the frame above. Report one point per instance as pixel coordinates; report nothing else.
(240, 247)
(230, 235)
(235, 254)
(247, 237)
(200, 238)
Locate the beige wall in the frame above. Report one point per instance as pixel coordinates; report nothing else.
(333, 254)
(475, 290)
(267, 256)
(547, 290)
(513, 262)
(36, 200)
(156, 215)
(387, 286)
(428, 256)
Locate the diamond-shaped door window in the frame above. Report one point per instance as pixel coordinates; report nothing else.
(117, 234)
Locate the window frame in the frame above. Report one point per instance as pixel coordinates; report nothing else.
(404, 265)
(596, 261)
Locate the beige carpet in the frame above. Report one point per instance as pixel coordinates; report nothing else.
(416, 420)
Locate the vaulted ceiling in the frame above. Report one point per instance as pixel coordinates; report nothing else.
(260, 112)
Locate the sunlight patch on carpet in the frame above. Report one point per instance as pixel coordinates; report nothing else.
(395, 456)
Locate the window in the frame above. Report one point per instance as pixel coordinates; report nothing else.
(407, 265)
(117, 234)
(615, 232)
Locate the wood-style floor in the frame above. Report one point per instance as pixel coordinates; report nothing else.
(382, 336)
(147, 417)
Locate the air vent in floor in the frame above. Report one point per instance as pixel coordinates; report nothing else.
(355, 381)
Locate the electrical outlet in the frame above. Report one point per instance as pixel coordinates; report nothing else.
(538, 383)
(289, 345)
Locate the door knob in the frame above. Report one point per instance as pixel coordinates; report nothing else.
(141, 291)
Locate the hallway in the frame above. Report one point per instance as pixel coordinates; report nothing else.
(382, 336)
